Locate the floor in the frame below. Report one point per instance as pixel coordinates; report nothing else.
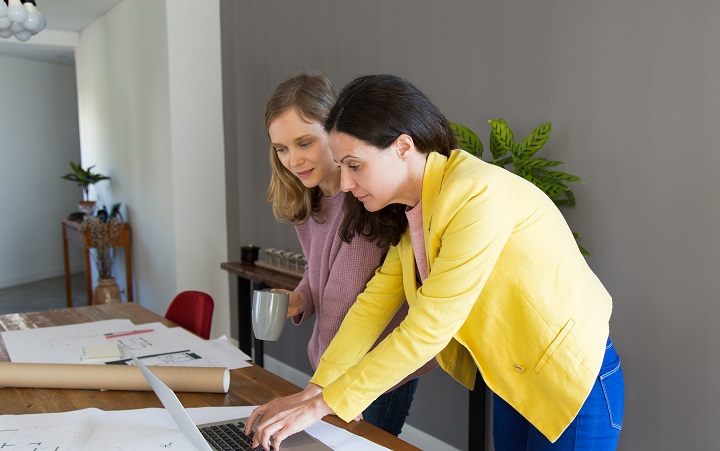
(45, 294)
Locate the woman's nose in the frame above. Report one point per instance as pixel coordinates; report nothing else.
(296, 158)
(346, 182)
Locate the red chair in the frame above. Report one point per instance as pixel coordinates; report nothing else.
(193, 311)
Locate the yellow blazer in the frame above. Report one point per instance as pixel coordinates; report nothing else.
(508, 293)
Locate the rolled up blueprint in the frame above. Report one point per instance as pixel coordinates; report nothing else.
(112, 377)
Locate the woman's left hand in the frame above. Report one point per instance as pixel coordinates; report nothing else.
(296, 302)
(273, 429)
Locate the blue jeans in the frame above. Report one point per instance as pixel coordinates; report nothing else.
(595, 428)
(389, 411)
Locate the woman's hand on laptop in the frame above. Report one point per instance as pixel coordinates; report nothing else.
(280, 404)
(283, 417)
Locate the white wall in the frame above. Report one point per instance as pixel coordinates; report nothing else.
(196, 121)
(150, 117)
(631, 90)
(38, 139)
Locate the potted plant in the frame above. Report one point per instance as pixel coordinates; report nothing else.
(520, 158)
(84, 178)
(101, 234)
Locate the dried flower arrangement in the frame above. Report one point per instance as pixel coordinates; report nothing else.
(101, 236)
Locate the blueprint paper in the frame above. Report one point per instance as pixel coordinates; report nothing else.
(136, 430)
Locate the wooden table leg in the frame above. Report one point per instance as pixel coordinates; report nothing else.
(68, 276)
(128, 273)
(88, 276)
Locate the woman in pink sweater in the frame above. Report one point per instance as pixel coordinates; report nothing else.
(305, 191)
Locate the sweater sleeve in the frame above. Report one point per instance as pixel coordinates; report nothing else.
(374, 308)
(349, 267)
(303, 286)
(473, 233)
(337, 272)
(309, 309)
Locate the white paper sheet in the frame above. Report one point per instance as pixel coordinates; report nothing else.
(154, 342)
(37, 345)
(136, 430)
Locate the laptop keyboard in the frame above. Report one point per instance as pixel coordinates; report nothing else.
(229, 437)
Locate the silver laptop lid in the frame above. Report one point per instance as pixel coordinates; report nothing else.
(174, 407)
(302, 441)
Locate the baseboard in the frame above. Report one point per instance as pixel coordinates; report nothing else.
(410, 434)
(424, 441)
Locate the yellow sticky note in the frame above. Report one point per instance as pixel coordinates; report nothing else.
(100, 352)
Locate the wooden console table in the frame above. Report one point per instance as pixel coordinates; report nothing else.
(72, 233)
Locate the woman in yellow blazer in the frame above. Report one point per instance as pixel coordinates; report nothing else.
(492, 275)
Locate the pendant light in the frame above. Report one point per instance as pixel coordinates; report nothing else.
(21, 19)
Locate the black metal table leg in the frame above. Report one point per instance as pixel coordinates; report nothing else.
(245, 333)
(476, 439)
(258, 352)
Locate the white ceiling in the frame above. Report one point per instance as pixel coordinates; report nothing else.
(64, 17)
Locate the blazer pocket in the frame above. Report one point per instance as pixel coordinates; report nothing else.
(559, 338)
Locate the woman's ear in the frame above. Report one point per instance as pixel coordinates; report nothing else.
(404, 145)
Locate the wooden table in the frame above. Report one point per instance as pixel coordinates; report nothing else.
(72, 233)
(248, 386)
(250, 278)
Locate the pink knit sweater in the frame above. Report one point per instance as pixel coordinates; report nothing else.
(335, 274)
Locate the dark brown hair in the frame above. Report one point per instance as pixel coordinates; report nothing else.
(376, 109)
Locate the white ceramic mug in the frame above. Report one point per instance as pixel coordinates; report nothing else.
(269, 312)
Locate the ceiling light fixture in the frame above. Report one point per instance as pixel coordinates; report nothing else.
(20, 18)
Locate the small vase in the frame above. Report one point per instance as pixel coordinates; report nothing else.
(107, 292)
(87, 207)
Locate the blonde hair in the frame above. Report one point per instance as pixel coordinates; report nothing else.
(312, 96)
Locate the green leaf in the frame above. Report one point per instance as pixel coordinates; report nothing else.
(551, 187)
(535, 140)
(503, 162)
(527, 175)
(84, 177)
(537, 162)
(502, 140)
(583, 251)
(496, 149)
(565, 176)
(467, 139)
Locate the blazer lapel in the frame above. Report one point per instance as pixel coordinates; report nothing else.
(432, 182)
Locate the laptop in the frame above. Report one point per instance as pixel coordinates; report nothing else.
(222, 435)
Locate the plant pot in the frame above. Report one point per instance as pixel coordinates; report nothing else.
(107, 292)
(86, 206)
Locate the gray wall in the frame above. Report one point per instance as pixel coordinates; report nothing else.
(38, 139)
(631, 90)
